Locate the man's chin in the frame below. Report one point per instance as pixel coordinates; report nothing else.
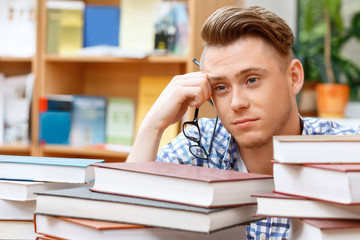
(252, 140)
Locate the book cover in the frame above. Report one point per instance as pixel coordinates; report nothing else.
(317, 149)
(88, 120)
(64, 27)
(329, 182)
(137, 25)
(204, 187)
(52, 169)
(55, 119)
(304, 229)
(108, 207)
(101, 25)
(150, 88)
(120, 121)
(281, 205)
(79, 228)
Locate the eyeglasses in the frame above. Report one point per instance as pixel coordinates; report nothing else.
(198, 150)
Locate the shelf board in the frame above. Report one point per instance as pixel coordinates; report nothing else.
(149, 59)
(15, 149)
(83, 151)
(16, 59)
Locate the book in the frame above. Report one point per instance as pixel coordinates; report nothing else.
(51, 169)
(88, 121)
(281, 205)
(2, 108)
(17, 97)
(185, 184)
(304, 229)
(83, 203)
(329, 182)
(137, 25)
(17, 210)
(120, 121)
(317, 149)
(55, 119)
(150, 88)
(24, 190)
(101, 25)
(64, 27)
(17, 229)
(76, 228)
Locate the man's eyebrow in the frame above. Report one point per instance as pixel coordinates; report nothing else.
(239, 74)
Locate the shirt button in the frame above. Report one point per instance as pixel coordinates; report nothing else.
(262, 236)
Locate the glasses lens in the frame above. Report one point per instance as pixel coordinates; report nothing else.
(193, 134)
(198, 151)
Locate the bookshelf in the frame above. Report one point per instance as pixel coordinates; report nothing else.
(105, 76)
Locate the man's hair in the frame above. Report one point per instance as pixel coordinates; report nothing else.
(228, 24)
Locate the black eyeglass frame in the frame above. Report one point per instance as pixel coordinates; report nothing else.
(194, 123)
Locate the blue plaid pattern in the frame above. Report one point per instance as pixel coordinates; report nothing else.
(224, 155)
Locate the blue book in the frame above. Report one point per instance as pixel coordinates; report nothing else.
(88, 121)
(54, 127)
(101, 25)
(50, 169)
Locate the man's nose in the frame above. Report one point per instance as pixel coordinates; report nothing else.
(239, 100)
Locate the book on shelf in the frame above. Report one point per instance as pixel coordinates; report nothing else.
(171, 23)
(17, 97)
(101, 25)
(281, 205)
(17, 229)
(304, 229)
(77, 228)
(17, 210)
(83, 203)
(18, 28)
(2, 108)
(150, 88)
(185, 184)
(51, 169)
(24, 190)
(137, 25)
(55, 119)
(64, 27)
(329, 182)
(317, 149)
(120, 121)
(88, 120)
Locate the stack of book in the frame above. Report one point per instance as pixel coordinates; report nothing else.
(317, 185)
(22, 176)
(153, 199)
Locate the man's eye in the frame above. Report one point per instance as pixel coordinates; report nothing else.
(252, 80)
(220, 88)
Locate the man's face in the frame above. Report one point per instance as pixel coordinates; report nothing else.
(252, 94)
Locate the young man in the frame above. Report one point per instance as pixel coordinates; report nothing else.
(248, 70)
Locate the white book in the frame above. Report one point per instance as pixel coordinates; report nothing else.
(17, 210)
(317, 149)
(22, 230)
(24, 190)
(83, 229)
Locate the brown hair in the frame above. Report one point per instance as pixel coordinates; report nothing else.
(226, 25)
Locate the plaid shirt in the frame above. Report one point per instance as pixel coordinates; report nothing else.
(225, 155)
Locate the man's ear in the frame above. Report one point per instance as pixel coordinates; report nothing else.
(296, 73)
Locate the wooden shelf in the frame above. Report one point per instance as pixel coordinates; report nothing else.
(83, 151)
(149, 59)
(16, 59)
(15, 149)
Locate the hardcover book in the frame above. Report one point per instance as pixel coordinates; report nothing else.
(317, 149)
(329, 182)
(83, 203)
(17, 210)
(78, 228)
(51, 169)
(179, 183)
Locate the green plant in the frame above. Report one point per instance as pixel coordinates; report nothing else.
(321, 36)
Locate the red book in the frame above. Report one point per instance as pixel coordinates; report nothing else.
(304, 229)
(179, 183)
(281, 205)
(338, 183)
